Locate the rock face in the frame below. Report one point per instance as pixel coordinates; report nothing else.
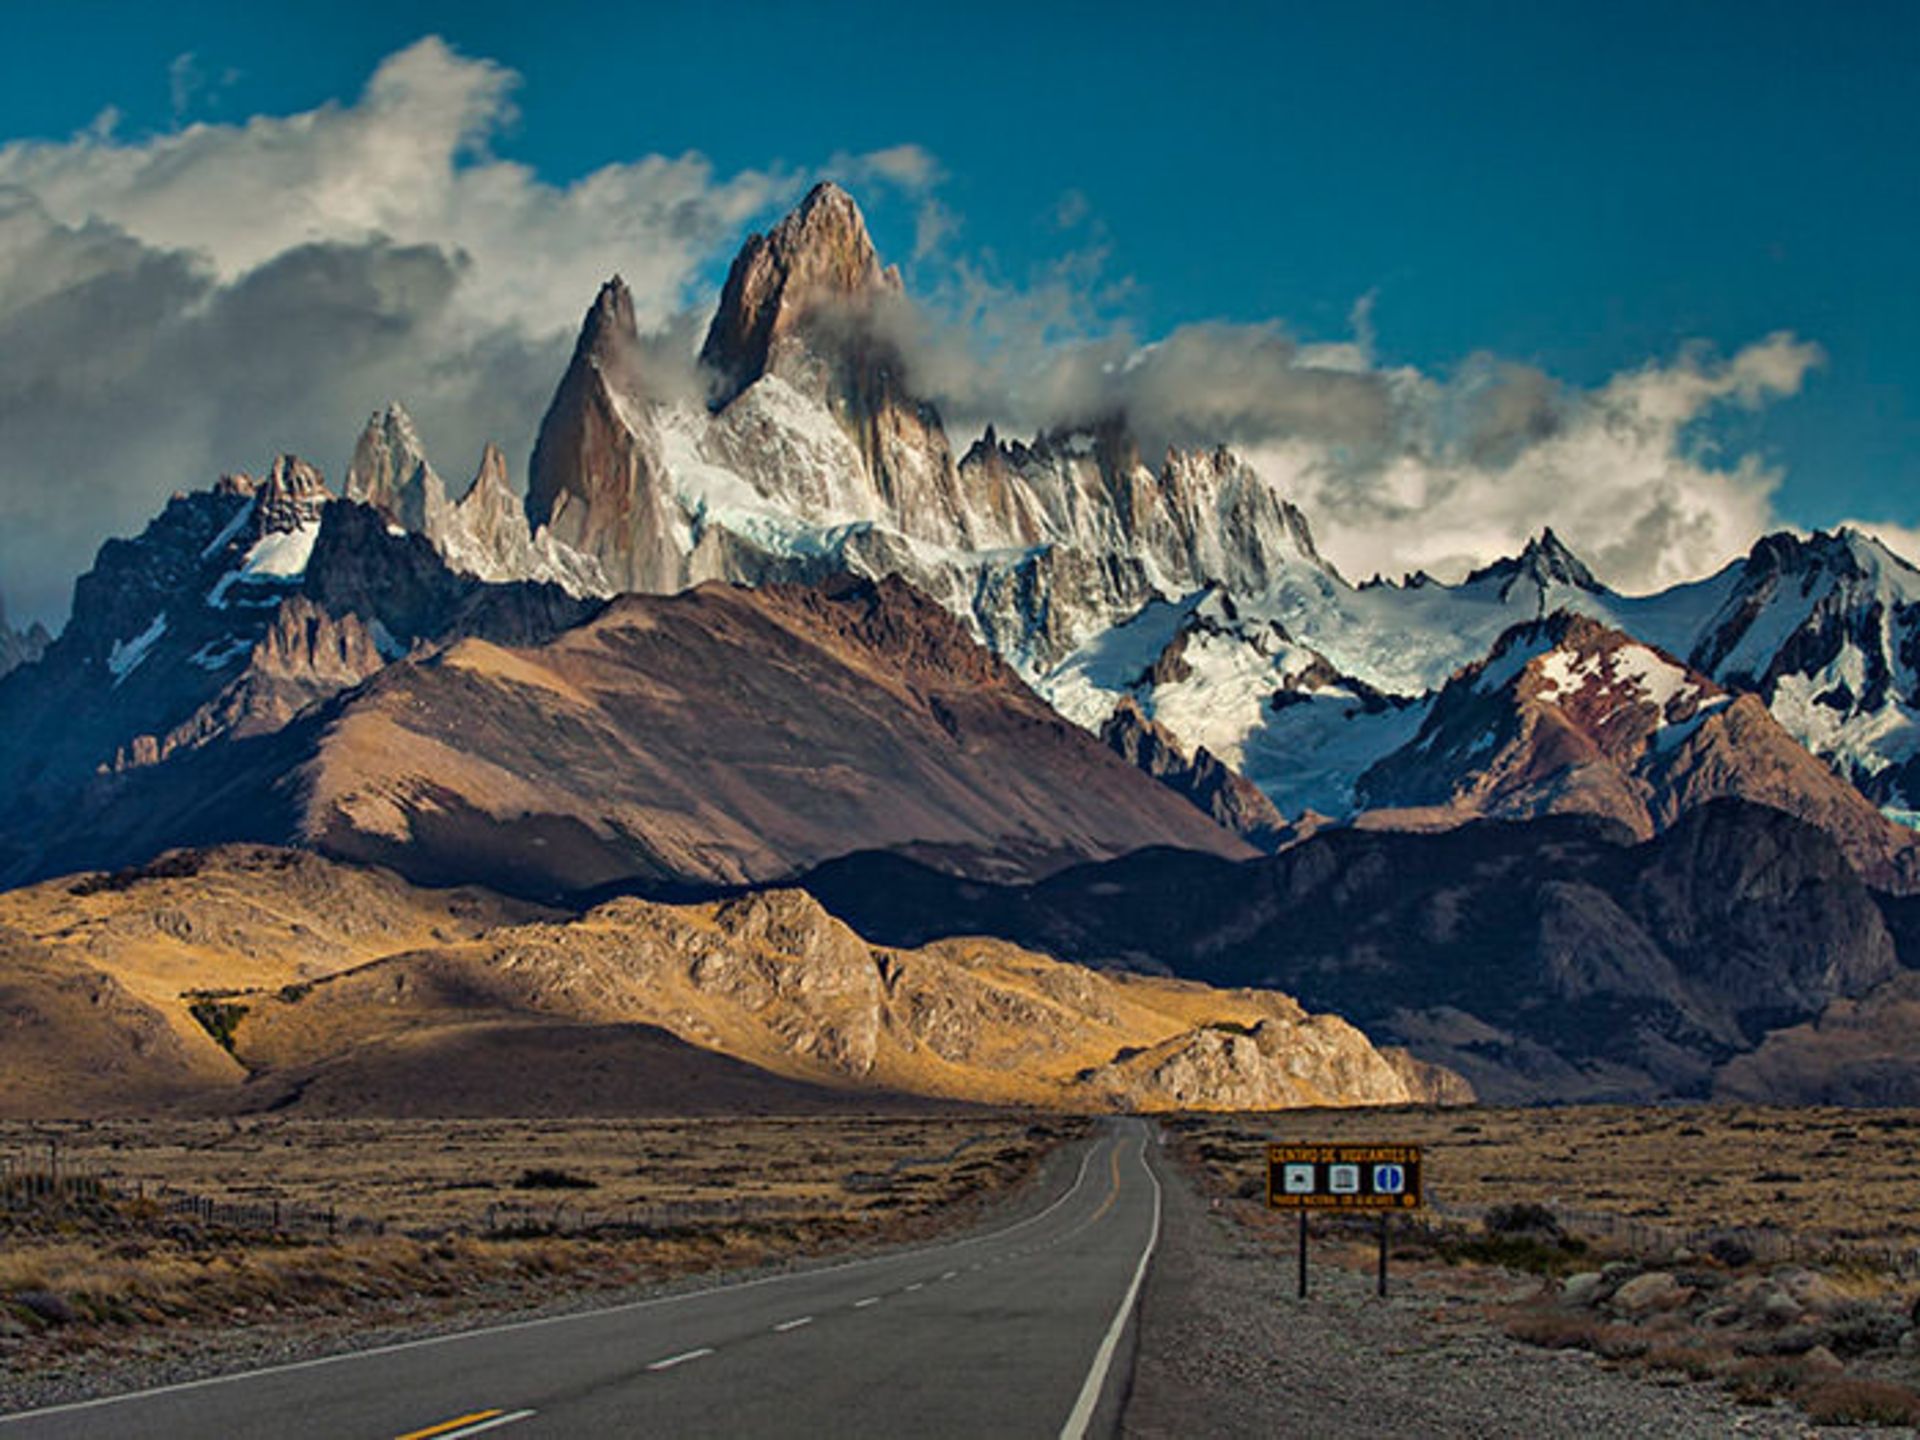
(20, 647)
(1550, 959)
(720, 736)
(1231, 799)
(389, 471)
(598, 482)
(1568, 716)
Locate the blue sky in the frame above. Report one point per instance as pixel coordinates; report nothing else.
(1578, 188)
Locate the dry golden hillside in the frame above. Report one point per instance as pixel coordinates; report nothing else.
(773, 980)
(248, 978)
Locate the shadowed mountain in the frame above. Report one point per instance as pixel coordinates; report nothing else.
(1550, 959)
(717, 737)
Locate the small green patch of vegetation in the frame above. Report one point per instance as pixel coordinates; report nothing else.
(219, 1016)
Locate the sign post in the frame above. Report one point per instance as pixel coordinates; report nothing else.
(1382, 1179)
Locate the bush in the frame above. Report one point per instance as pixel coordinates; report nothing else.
(1523, 1217)
(547, 1178)
(219, 1018)
(1851, 1400)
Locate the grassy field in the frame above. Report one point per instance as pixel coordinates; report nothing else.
(1825, 1175)
(439, 1176)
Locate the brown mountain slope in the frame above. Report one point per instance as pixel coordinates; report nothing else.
(772, 980)
(719, 736)
(1569, 716)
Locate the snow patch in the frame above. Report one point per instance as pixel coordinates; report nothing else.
(126, 655)
(218, 654)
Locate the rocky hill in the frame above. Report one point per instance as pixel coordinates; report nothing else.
(246, 978)
(1568, 716)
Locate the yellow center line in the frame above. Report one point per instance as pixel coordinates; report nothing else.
(445, 1425)
(1112, 1194)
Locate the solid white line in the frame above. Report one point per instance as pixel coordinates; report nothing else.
(514, 1326)
(1083, 1408)
(786, 1325)
(863, 1304)
(681, 1359)
(492, 1424)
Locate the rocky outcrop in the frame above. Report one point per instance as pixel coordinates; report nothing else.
(773, 980)
(1232, 800)
(389, 471)
(598, 484)
(20, 647)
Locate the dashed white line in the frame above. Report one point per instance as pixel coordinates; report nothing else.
(916, 1285)
(681, 1359)
(863, 1304)
(951, 1274)
(786, 1325)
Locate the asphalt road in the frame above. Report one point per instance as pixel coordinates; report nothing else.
(1019, 1330)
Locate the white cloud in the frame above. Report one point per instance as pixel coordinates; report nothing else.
(182, 304)
(1395, 468)
(187, 303)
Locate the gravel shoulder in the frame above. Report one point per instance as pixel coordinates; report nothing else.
(1226, 1348)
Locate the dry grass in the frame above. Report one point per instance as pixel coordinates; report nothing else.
(418, 1194)
(1827, 1175)
(435, 1175)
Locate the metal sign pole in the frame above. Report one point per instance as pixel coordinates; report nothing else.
(1303, 1254)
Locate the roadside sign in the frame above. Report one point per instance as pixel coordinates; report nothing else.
(1343, 1177)
(1383, 1179)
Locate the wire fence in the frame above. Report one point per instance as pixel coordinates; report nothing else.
(56, 1187)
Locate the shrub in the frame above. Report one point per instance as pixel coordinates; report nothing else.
(219, 1018)
(1852, 1400)
(546, 1177)
(1523, 1217)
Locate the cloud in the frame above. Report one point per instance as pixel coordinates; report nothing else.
(187, 303)
(182, 304)
(1395, 468)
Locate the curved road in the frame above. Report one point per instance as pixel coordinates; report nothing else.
(1014, 1331)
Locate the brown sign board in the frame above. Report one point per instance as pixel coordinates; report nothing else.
(1343, 1177)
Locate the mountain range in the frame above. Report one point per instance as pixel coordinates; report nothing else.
(726, 638)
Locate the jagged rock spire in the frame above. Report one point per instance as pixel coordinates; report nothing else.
(390, 472)
(596, 482)
(817, 258)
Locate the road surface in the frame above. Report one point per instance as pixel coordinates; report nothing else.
(1019, 1330)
